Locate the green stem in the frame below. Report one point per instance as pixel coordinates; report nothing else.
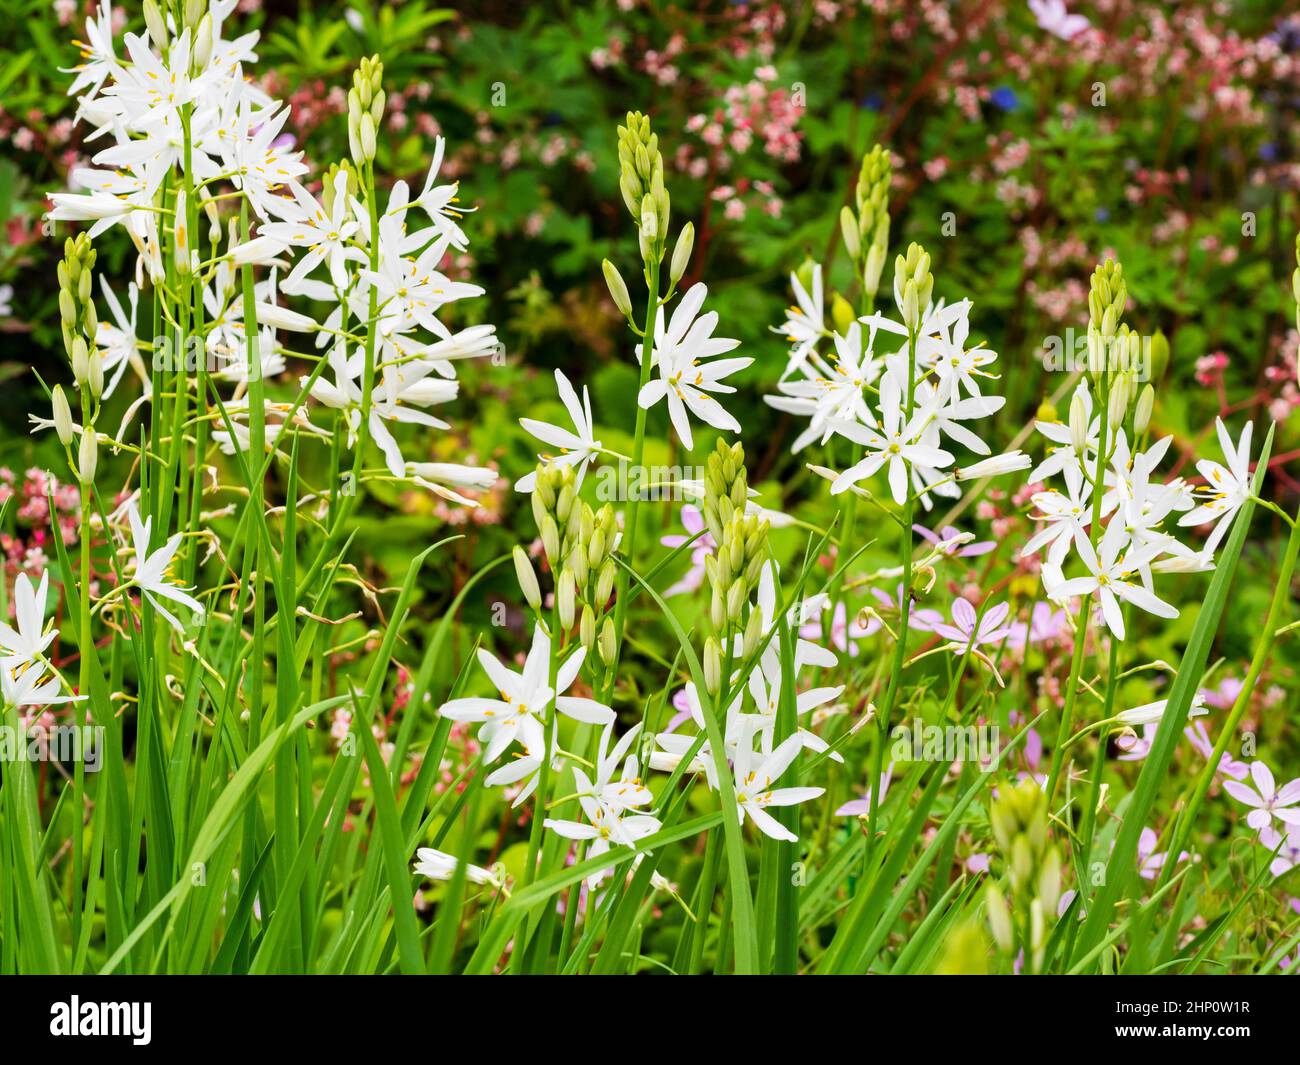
(634, 502)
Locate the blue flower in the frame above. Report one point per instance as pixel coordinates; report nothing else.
(1004, 98)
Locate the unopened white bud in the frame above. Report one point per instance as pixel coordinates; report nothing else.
(63, 424)
(87, 456)
(527, 578)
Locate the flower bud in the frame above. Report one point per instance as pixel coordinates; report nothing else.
(62, 416)
(849, 231)
(1142, 413)
(873, 268)
(753, 633)
(682, 253)
(550, 534)
(1078, 421)
(605, 582)
(366, 137)
(995, 905)
(617, 288)
(87, 457)
(203, 44)
(80, 361)
(527, 578)
(712, 665)
(842, 314)
(156, 25)
(606, 643)
(587, 627)
(649, 219)
(566, 598)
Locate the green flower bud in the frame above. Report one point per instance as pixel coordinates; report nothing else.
(1142, 412)
(842, 314)
(682, 253)
(527, 578)
(617, 288)
(712, 665)
(995, 905)
(566, 598)
(63, 424)
(156, 25)
(849, 231)
(606, 643)
(605, 582)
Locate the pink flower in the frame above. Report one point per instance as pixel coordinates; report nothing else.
(969, 631)
(1266, 799)
(693, 523)
(862, 807)
(1149, 862)
(949, 533)
(1200, 740)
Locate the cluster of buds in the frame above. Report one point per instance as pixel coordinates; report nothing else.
(641, 181)
(1019, 819)
(77, 314)
(914, 283)
(365, 109)
(330, 181)
(866, 232)
(579, 543)
(733, 571)
(80, 325)
(1108, 345)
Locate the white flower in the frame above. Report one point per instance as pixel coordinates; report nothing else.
(437, 865)
(603, 826)
(1067, 451)
(681, 352)
(26, 645)
(805, 323)
(754, 793)
(627, 792)
(1226, 489)
(437, 200)
(116, 341)
(578, 448)
(524, 699)
(151, 569)
(1150, 713)
(324, 236)
(1053, 17)
(1108, 576)
(996, 466)
(436, 476)
(893, 444)
(98, 59)
(837, 394)
(25, 687)
(1066, 515)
